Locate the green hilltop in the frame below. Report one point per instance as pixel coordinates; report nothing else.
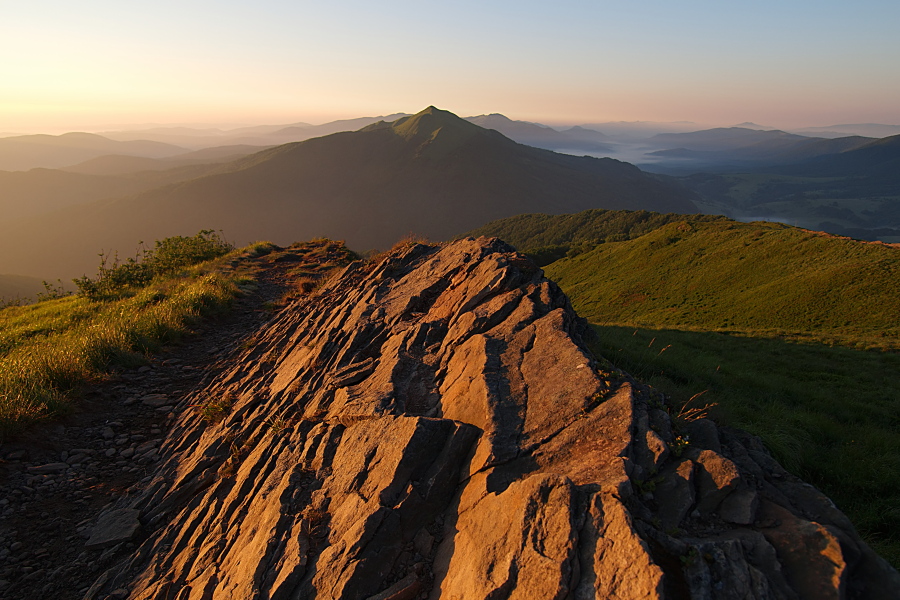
(550, 237)
(725, 275)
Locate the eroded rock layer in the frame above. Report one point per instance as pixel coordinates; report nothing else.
(432, 426)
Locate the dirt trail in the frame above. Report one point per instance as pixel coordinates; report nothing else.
(56, 477)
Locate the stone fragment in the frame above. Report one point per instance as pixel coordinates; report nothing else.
(155, 400)
(353, 374)
(146, 447)
(405, 589)
(703, 433)
(808, 552)
(616, 563)
(58, 467)
(114, 527)
(716, 478)
(595, 448)
(423, 542)
(721, 569)
(657, 447)
(674, 493)
(739, 506)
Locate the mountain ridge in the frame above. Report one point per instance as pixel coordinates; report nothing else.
(432, 423)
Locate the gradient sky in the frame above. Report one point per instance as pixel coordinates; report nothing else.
(790, 63)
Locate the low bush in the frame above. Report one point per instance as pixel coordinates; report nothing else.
(169, 255)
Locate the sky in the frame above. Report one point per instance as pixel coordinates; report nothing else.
(789, 63)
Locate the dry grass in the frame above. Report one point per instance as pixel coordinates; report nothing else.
(49, 348)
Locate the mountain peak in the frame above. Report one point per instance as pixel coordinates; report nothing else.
(437, 133)
(426, 124)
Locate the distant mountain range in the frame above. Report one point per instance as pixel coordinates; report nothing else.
(52, 151)
(433, 174)
(847, 186)
(264, 135)
(541, 136)
(729, 147)
(875, 130)
(663, 147)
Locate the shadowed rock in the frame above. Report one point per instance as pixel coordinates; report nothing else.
(432, 426)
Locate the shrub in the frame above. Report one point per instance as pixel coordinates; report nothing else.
(166, 258)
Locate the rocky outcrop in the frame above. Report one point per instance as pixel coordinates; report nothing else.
(432, 426)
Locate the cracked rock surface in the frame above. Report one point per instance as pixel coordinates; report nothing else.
(432, 426)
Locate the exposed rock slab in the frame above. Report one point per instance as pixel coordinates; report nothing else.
(433, 426)
(115, 527)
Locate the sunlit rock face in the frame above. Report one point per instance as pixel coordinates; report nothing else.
(431, 425)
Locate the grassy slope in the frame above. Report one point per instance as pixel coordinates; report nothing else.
(755, 277)
(545, 235)
(48, 348)
(717, 308)
(831, 415)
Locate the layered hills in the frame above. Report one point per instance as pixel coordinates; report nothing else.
(850, 190)
(541, 136)
(50, 151)
(727, 148)
(431, 174)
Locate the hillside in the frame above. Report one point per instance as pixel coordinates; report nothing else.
(547, 238)
(743, 276)
(878, 160)
(852, 190)
(765, 324)
(726, 138)
(37, 191)
(119, 164)
(432, 174)
(25, 194)
(733, 149)
(428, 424)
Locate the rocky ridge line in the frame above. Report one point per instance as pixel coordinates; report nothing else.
(433, 427)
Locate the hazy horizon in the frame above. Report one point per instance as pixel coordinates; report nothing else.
(225, 128)
(101, 63)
